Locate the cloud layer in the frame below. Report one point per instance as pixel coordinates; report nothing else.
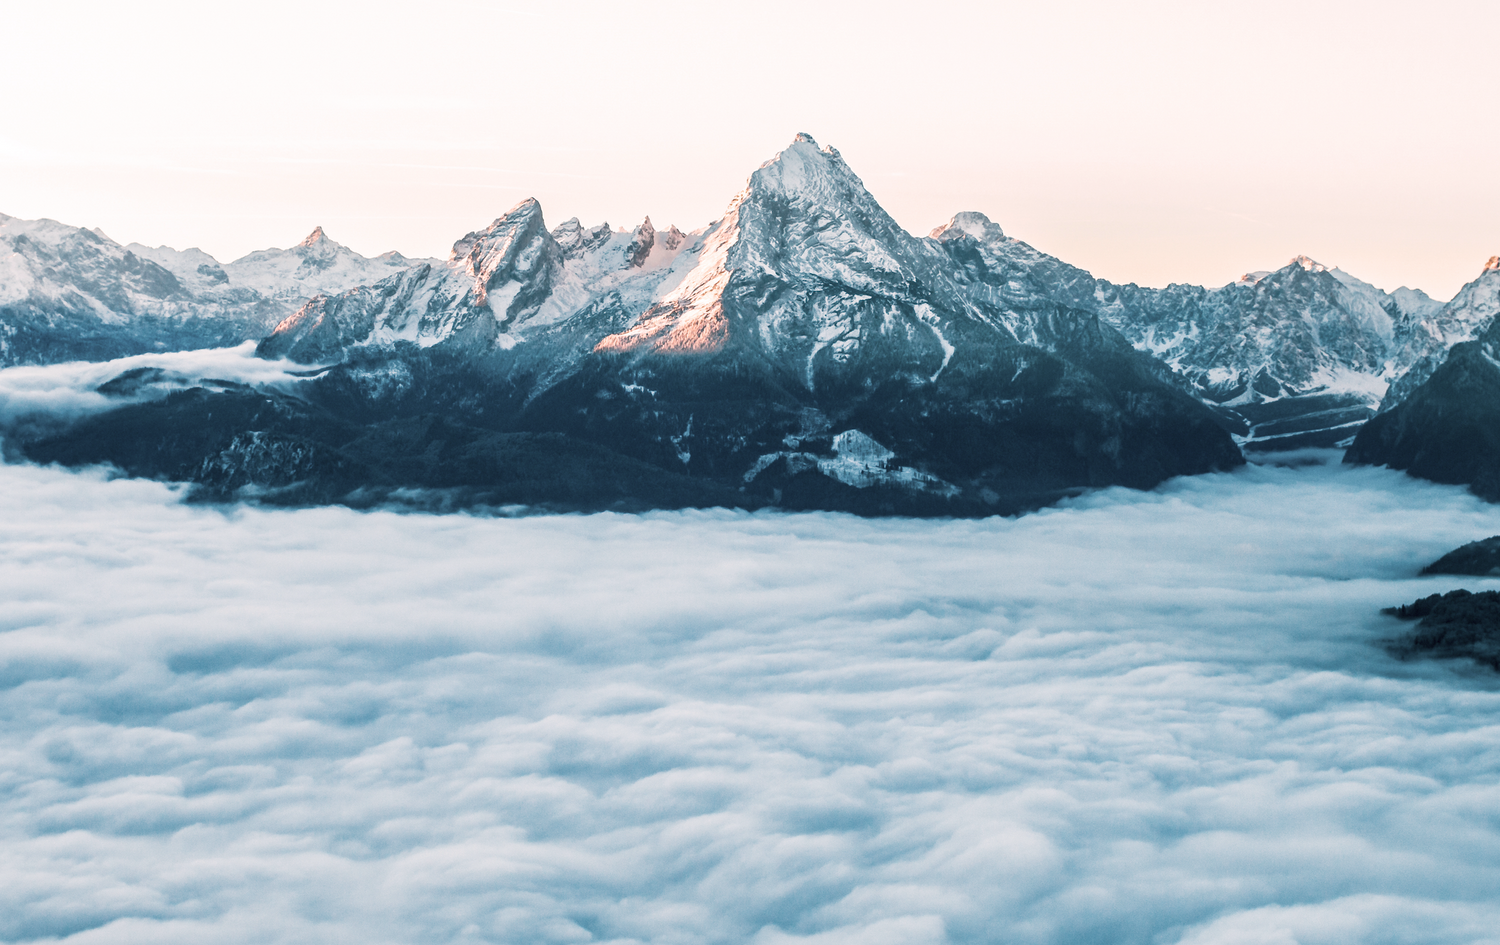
(1139, 717)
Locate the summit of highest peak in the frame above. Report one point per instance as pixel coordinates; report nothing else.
(1493, 265)
(803, 169)
(315, 237)
(805, 142)
(528, 206)
(521, 216)
(1307, 263)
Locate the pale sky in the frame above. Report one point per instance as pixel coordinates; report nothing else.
(1147, 142)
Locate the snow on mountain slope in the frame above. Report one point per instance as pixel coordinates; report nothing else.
(196, 271)
(50, 262)
(1295, 330)
(1295, 356)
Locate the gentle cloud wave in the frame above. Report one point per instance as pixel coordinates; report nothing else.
(1138, 717)
(70, 390)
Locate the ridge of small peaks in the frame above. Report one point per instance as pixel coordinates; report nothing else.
(573, 225)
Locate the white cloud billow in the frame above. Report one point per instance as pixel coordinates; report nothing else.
(1140, 717)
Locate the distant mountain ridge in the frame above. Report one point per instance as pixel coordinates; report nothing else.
(1299, 356)
(68, 293)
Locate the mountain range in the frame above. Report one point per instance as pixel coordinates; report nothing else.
(804, 351)
(68, 293)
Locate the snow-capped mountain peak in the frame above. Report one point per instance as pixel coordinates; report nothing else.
(969, 223)
(317, 265)
(510, 246)
(805, 170)
(1308, 263)
(575, 239)
(807, 233)
(1493, 264)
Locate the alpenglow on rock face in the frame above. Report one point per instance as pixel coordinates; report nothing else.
(68, 293)
(803, 351)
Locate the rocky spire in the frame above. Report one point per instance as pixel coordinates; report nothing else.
(641, 243)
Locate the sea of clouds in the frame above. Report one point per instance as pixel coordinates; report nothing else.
(1138, 717)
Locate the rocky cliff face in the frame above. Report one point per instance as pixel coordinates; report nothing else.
(1296, 357)
(1447, 428)
(1462, 319)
